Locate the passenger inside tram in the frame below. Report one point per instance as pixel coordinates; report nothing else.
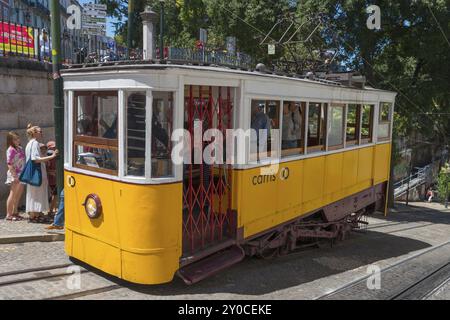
(292, 127)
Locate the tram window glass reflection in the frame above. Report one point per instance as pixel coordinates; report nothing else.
(367, 123)
(91, 157)
(336, 126)
(97, 114)
(162, 126)
(265, 117)
(292, 128)
(384, 121)
(316, 126)
(353, 120)
(95, 131)
(135, 130)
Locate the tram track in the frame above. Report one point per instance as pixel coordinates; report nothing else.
(425, 287)
(35, 274)
(44, 268)
(53, 279)
(85, 293)
(418, 289)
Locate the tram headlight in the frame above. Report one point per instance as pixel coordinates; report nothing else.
(93, 206)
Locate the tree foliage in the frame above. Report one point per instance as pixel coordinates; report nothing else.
(443, 183)
(409, 55)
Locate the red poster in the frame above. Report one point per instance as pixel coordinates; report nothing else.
(16, 38)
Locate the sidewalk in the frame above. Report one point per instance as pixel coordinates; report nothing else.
(400, 206)
(23, 231)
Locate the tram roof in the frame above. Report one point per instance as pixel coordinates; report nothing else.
(105, 68)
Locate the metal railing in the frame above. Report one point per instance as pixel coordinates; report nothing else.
(418, 178)
(18, 40)
(209, 57)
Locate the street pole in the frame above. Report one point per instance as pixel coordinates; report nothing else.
(409, 179)
(161, 31)
(58, 99)
(130, 26)
(390, 197)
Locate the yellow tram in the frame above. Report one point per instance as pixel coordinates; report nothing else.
(134, 212)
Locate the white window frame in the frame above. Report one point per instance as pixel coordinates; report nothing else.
(246, 119)
(268, 160)
(122, 94)
(176, 175)
(68, 110)
(391, 116)
(123, 139)
(304, 128)
(344, 126)
(325, 145)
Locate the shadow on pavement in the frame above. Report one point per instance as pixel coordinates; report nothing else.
(258, 276)
(416, 212)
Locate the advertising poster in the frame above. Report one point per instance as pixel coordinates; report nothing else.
(16, 38)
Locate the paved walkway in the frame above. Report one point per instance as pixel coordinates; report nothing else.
(23, 231)
(308, 274)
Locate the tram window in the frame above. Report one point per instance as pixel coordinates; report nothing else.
(95, 131)
(97, 115)
(353, 120)
(316, 126)
(265, 117)
(162, 126)
(293, 128)
(384, 121)
(135, 129)
(336, 126)
(367, 123)
(91, 157)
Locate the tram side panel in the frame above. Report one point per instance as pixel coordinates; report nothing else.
(94, 241)
(263, 203)
(138, 235)
(382, 163)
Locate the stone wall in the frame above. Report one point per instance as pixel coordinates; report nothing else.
(26, 96)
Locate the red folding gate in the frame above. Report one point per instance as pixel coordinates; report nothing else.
(208, 218)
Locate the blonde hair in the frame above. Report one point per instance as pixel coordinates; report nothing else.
(10, 139)
(31, 129)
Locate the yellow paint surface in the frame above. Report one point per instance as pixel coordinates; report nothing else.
(138, 236)
(312, 184)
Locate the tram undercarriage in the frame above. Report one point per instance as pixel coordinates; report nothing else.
(333, 222)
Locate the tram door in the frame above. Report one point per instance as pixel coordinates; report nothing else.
(208, 218)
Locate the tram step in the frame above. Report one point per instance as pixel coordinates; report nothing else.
(212, 264)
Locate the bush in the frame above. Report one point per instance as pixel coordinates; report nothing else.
(444, 182)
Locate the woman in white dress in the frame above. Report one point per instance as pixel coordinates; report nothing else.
(37, 197)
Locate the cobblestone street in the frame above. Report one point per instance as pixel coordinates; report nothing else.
(22, 231)
(405, 233)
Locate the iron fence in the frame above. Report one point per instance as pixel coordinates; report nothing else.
(18, 40)
(208, 56)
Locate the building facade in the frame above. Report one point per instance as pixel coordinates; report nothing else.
(33, 13)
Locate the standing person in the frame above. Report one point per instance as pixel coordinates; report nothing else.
(58, 222)
(430, 195)
(295, 109)
(51, 174)
(37, 197)
(15, 159)
(261, 124)
(289, 137)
